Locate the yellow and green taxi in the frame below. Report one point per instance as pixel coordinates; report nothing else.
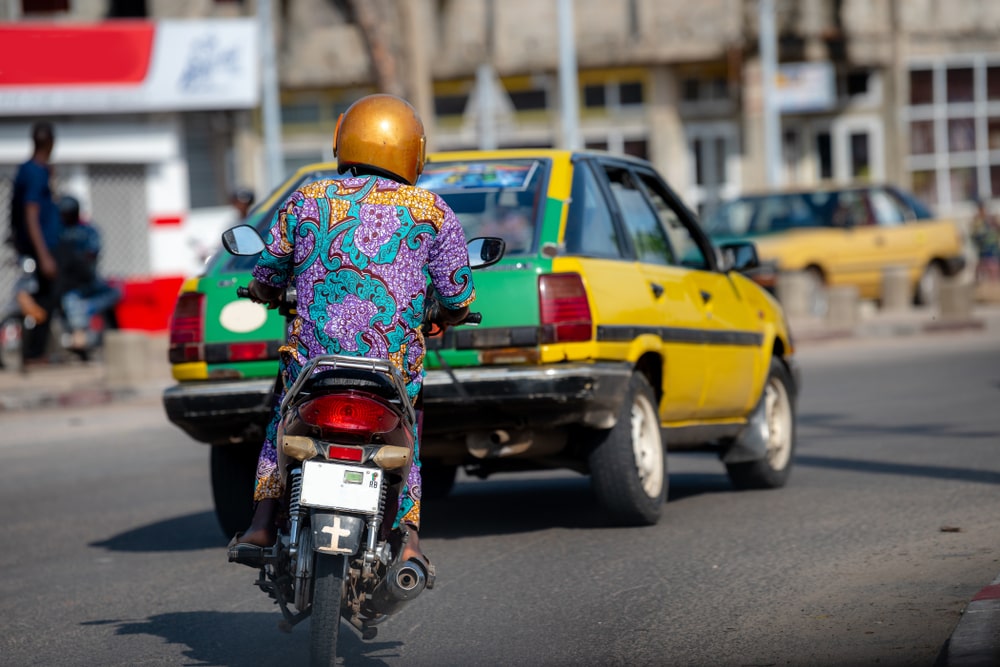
(612, 331)
(844, 236)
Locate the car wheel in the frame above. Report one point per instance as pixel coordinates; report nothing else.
(12, 343)
(234, 470)
(436, 480)
(929, 285)
(772, 471)
(628, 465)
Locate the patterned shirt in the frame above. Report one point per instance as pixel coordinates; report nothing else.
(359, 252)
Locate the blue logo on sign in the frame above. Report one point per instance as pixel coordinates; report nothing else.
(205, 59)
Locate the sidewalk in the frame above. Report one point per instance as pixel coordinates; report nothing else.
(975, 641)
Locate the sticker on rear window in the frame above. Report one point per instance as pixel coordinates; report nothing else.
(469, 176)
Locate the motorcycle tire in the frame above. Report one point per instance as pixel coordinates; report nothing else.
(328, 592)
(628, 465)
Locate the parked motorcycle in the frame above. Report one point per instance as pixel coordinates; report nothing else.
(346, 447)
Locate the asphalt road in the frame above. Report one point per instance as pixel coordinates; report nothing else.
(889, 525)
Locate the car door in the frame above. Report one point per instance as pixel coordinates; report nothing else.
(900, 241)
(855, 258)
(673, 312)
(732, 330)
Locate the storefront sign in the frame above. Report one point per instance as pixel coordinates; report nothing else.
(128, 66)
(805, 87)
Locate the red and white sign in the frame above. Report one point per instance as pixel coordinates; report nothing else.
(128, 66)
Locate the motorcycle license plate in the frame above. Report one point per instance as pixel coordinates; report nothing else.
(341, 487)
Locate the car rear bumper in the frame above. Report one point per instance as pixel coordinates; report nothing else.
(220, 412)
(588, 394)
(464, 399)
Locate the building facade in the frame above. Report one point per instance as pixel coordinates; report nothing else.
(906, 91)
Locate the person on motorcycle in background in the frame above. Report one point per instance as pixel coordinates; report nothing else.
(359, 251)
(81, 291)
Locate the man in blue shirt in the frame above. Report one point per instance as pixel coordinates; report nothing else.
(35, 229)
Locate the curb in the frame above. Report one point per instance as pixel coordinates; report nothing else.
(975, 642)
(816, 332)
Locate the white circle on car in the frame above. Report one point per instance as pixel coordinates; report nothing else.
(242, 316)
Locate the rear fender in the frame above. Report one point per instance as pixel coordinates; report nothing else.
(335, 533)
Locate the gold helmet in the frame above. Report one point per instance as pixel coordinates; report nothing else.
(382, 133)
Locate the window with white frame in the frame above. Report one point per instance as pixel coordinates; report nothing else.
(953, 123)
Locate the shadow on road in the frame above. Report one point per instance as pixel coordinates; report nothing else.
(191, 532)
(496, 506)
(896, 468)
(841, 425)
(248, 639)
(505, 506)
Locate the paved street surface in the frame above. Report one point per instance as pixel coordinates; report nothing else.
(884, 536)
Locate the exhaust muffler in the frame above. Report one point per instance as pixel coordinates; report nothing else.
(402, 583)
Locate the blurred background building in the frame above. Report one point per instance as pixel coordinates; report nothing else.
(905, 91)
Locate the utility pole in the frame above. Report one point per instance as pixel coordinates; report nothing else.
(486, 103)
(768, 71)
(567, 78)
(274, 162)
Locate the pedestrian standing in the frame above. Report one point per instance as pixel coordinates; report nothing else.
(35, 231)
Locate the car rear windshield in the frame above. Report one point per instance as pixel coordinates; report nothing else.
(493, 197)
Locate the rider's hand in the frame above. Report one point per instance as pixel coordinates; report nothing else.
(265, 294)
(443, 317)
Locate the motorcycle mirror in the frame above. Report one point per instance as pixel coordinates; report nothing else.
(485, 251)
(242, 240)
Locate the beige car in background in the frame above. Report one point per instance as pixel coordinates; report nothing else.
(844, 236)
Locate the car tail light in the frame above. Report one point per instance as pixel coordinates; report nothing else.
(564, 309)
(187, 326)
(353, 413)
(247, 351)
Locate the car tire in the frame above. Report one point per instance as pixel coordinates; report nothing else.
(773, 470)
(436, 480)
(628, 464)
(928, 291)
(233, 471)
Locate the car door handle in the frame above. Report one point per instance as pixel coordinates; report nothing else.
(657, 289)
(705, 296)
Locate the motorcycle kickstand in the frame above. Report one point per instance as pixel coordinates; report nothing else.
(271, 587)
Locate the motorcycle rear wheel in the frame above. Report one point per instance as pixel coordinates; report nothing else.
(328, 592)
(12, 343)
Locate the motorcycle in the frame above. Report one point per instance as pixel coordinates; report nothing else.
(21, 313)
(345, 447)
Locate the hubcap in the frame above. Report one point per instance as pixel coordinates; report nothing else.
(646, 447)
(778, 411)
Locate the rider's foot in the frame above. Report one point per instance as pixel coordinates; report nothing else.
(411, 546)
(262, 531)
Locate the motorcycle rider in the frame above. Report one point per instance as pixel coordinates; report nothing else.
(82, 292)
(358, 251)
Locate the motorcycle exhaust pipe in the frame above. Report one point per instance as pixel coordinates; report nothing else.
(402, 583)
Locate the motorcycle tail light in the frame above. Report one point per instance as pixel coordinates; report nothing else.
(187, 329)
(353, 413)
(564, 309)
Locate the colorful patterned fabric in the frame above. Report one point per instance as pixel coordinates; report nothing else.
(359, 252)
